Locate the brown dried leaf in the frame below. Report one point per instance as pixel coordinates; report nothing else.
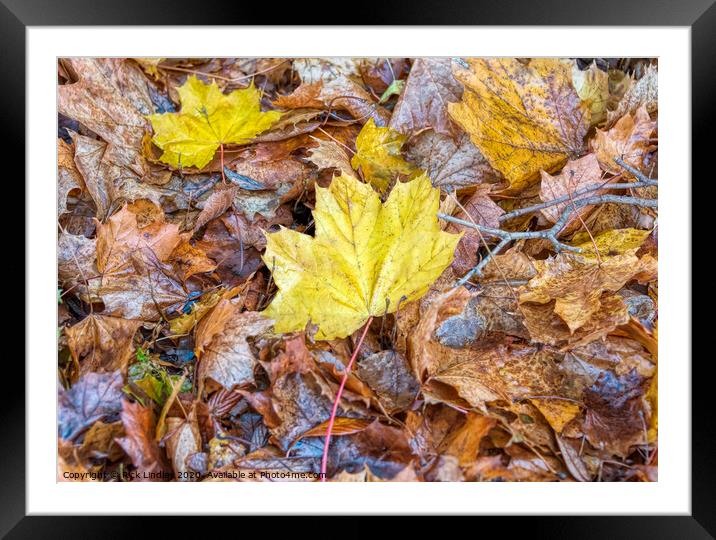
(94, 397)
(546, 326)
(228, 358)
(330, 155)
(100, 343)
(120, 238)
(190, 260)
(629, 139)
(464, 443)
(579, 174)
(577, 283)
(423, 103)
(388, 374)
(215, 205)
(68, 177)
(95, 102)
(615, 418)
(451, 163)
(184, 440)
(139, 443)
(643, 93)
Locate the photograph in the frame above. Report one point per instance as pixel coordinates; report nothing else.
(357, 269)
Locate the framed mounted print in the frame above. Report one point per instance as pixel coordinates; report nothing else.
(268, 266)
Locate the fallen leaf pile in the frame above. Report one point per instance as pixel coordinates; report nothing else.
(479, 235)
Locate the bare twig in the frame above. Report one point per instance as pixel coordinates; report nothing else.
(583, 191)
(550, 234)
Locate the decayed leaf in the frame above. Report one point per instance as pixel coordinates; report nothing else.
(378, 155)
(208, 119)
(629, 140)
(120, 238)
(330, 155)
(615, 419)
(94, 397)
(490, 314)
(644, 92)
(99, 441)
(215, 205)
(139, 443)
(573, 461)
(523, 118)
(464, 443)
(184, 441)
(341, 426)
(388, 375)
(450, 163)
(68, 177)
(144, 289)
(76, 264)
(228, 358)
(579, 174)
(100, 343)
(577, 283)
(336, 93)
(95, 102)
(592, 85)
(190, 260)
(423, 103)
(420, 339)
(546, 326)
(364, 258)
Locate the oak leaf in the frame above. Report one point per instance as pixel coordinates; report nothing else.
(378, 155)
(364, 258)
(208, 119)
(523, 117)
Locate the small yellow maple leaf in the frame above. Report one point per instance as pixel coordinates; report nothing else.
(365, 257)
(610, 243)
(592, 86)
(378, 155)
(208, 119)
(523, 118)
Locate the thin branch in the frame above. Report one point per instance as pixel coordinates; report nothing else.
(637, 174)
(583, 191)
(550, 234)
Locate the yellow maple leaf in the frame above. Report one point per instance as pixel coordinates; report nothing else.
(208, 119)
(592, 86)
(523, 118)
(365, 257)
(610, 243)
(378, 155)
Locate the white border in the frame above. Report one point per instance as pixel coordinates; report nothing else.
(670, 495)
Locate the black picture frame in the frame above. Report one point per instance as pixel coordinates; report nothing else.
(16, 15)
